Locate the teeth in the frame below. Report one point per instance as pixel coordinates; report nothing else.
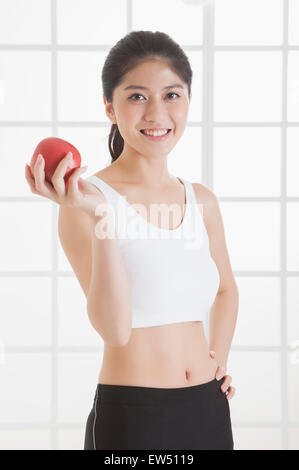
(155, 133)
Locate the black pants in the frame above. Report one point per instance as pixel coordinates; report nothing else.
(131, 417)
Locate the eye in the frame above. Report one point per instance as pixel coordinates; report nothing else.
(135, 94)
(172, 93)
(138, 94)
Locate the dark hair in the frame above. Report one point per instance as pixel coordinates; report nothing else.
(131, 50)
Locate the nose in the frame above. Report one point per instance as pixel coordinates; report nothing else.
(155, 111)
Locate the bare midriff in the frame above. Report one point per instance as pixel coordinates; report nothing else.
(166, 356)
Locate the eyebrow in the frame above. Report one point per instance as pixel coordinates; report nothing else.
(130, 87)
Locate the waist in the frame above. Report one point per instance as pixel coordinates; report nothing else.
(139, 395)
(175, 355)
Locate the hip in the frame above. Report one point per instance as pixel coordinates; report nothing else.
(134, 417)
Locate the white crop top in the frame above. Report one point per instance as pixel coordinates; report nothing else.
(171, 273)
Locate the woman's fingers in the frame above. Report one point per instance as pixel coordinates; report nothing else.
(37, 183)
(59, 173)
(231, 392)
(73, 189)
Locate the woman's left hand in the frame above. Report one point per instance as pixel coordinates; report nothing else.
(220, 372)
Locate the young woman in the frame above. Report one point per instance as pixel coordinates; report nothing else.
(149, 285)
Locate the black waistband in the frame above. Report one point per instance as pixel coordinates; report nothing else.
(146, 395)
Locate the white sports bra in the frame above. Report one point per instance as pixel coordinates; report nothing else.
(171, 273)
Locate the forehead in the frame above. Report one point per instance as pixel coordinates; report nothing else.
(151, 75)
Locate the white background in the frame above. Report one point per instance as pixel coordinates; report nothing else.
(241, 141)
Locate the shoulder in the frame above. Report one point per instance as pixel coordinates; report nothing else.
(208, 203)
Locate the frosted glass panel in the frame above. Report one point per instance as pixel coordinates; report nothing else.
(292, 236)
(294, 25)
(256, 377)
(80, 86)
(247, 86)
(25, 307)
(293, 314)
(25, 384)
(21, 248)
(253, 234)
(293, 389)
(71, 439)
(248, 22)
(293, 438)
(259, 304)
(92, 143)
(247, 161)
(25, 78)
(293, 86)
(25, 439)
(90, 21)
(14, 157)
(185, 158)
(292, 161)
(195, 108)
(181, 19)
(74, 327)
(77, 380)
(257, 438)
(25, 22)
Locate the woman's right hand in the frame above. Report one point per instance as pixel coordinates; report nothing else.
(80, 194)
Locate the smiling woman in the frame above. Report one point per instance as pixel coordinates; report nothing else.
(148, 295)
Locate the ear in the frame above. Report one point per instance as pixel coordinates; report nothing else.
(109, 110)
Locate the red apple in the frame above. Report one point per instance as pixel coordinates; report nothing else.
(53, 150)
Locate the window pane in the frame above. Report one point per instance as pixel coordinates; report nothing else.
(248, 22)
(293, 22)
(293, 86)
(195, 108)
(293, 438)
(27, 98)
(25, 302)
(185, 158)
(171, 16)
(77, 380)
(259, 438)
(25, 384)
(14, 157)
(26, 22)
(293, 314)
(293, 390)
(248, 86)
(242, 158)
(23, 249)
(71, 439)
(292, 236)
(256, 377)
(252, 232)
(74, 327)
(259, 304)
(25, 439)
(292, 161)
(80, 86)
(90, 21)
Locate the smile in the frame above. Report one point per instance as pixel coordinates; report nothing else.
(156, 138)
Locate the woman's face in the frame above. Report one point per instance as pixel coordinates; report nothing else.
(153, 106)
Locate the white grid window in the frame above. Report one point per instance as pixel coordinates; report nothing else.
(241, 141)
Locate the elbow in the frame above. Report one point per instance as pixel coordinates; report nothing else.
(115, 341)
(108, 334)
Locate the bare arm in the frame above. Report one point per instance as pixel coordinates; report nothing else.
(97, 263)
(224, 311)
(99, 269)
(108, 299)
